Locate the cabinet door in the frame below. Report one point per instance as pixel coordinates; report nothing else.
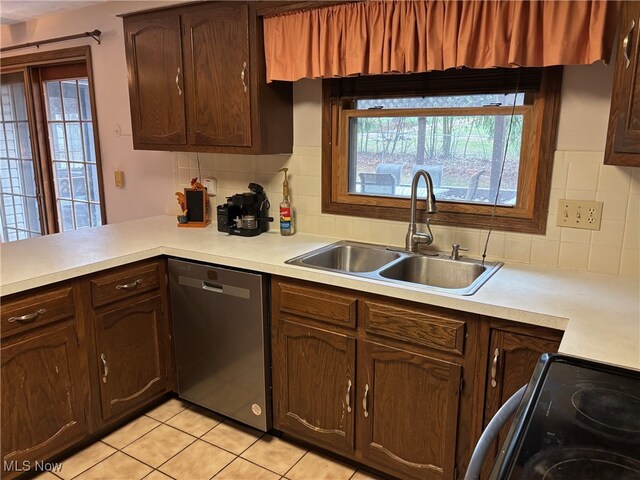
(131, 355)
(217, 82)
(314, 385)
(623, 142)
(512, 358)
(408, 411)
(42, 402)
(156, 90)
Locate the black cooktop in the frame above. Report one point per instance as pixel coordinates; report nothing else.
(578, 420)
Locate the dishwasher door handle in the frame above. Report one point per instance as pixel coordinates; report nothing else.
(212, 287)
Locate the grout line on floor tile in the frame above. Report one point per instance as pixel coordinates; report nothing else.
(305, 454)
(253, 443)
(261, 466)
(126, 424)
(224, 468)
(200, 437)
(90, 467)
(195, 439)
(156, 470)
(131, 456)
(234, 453)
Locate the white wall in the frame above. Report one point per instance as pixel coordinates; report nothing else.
(148, 175)
(578, 173)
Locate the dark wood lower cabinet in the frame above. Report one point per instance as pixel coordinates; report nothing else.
(314, 384)
(43, 399)
(70, 370)
(409, 417)
(131, 357)
(513, 354)
(419, 390)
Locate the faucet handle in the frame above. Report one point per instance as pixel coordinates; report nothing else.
(456, 248)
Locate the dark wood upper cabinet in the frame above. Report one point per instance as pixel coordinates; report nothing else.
(216, 39)
(207, 61)
(623, 138)
(43, 399)
(128, 336)
(314, 381)
(409, 417)
(154, 62)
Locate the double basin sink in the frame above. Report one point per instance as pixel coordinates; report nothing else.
(463, 276)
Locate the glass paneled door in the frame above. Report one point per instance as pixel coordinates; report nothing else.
(50, 175)
(20, 214)
(72, 148)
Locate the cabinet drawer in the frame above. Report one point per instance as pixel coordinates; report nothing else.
(124, 283)
(318, 303)
(36, 309)
(434, 329)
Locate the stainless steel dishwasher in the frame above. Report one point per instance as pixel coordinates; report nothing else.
(220, 324)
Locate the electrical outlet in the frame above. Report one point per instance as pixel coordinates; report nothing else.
(579, 214)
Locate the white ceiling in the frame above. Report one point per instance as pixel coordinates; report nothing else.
(12, 11)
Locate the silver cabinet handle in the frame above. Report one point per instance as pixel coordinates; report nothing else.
(178, 81)
(129, 286)
(106, 368)
(365, 400)
(625, 45)
(29, 317)
(348, 397)
(242, 74)
(494, 368)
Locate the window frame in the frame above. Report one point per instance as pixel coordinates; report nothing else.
(32, 65)
(529, 215)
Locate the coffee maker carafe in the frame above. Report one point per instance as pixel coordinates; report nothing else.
(245, 214)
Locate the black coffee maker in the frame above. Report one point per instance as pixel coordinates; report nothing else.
(245, 214)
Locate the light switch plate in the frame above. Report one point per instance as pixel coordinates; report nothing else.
(583, 214)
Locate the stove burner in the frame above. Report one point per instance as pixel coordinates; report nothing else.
(610, 408)
(588, 468)
(566, 463)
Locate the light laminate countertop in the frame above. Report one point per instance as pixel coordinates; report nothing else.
(599, 313)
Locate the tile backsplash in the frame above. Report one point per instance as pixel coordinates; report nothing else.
(614, 249)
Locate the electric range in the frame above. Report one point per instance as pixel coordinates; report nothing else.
(578, 420)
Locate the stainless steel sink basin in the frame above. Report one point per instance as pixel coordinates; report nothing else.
(436, 272)
(350, 258)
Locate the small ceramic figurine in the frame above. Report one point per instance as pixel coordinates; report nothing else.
(196, 185)
(182, 201)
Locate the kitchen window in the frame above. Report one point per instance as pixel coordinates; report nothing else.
(50, 176)
(485, 137)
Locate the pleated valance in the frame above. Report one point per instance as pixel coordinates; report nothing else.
(378, 37)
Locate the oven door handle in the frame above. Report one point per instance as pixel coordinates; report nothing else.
(490, 434)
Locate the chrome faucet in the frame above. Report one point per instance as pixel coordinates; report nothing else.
(415, 238)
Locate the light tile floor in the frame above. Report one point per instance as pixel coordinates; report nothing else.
(179, 441)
